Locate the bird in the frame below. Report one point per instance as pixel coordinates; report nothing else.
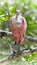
(18, 26)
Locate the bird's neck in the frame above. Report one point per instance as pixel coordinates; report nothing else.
(18, 16)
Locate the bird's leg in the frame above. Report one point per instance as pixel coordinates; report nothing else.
(16, 51)
(18, 45)
(14, 48)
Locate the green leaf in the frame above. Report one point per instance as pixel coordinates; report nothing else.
(14, 8)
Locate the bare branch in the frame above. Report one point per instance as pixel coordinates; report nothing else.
(3, 33)
(16, 54)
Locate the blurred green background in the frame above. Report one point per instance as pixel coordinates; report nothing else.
(29, 11)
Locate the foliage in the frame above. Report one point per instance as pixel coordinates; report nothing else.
(29, 11)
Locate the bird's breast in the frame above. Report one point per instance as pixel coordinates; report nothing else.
(17, 23)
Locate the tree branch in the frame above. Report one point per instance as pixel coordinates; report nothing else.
(3, 33)
(22, 52)
(16, 54)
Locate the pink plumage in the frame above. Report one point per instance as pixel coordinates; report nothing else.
(18, 30)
